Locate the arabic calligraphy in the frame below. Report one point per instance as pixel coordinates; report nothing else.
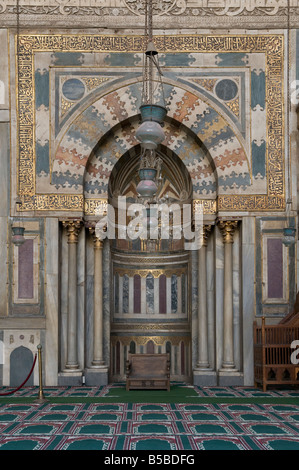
(160, 7)
(236, 7)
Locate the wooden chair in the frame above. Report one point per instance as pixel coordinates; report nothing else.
(272, 351)
(148, 371)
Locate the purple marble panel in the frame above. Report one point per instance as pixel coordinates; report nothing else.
(25, 271)
(162, 293)
(137, 293)
(275, 268)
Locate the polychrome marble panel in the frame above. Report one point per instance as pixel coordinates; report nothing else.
(83, 90)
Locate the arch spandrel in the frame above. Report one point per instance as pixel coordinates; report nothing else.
(205, 141)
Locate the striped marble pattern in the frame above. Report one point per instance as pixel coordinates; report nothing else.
(201, 137)
(89, 104)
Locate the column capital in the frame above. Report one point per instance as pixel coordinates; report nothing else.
(206, 230)
(97, 242)
(227, 228)
(73, 227)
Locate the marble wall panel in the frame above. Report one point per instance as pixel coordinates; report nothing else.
(162, 294)
(125, 294)
(33, 302)
(4, 70)
(269, 229)
(275, 268)
(25, 270)
(150, 295)
(137, 294)
(174, 294)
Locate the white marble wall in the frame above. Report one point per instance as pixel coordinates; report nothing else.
(15, 338)
(4, 70)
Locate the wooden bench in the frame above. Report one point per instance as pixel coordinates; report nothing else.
(148, 371)
(272, 352)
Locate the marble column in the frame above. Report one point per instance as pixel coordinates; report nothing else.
(8, 187)
(203, 374)
(203, 356)
(4, 203)
(98, 304)
(97, 373)
(248, 300)
(51, 354)
(227, 228)
(73, 227)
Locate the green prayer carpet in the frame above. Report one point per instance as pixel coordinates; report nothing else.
(187, 418)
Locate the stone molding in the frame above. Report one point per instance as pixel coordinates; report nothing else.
(184, 13)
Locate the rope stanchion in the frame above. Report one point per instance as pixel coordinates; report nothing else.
(18, 388)
(41, 398)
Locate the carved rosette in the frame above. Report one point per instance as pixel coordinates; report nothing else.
(73, 228)
(228, 228)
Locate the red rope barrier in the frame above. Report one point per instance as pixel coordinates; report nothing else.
(13, 391)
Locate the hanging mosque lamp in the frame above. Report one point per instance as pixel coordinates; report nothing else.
(150, 133)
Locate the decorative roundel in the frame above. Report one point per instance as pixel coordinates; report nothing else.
(73, 89)
(226, 89)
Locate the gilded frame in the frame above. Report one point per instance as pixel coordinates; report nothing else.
(272, 45)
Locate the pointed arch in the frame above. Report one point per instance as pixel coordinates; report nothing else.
(203, 138)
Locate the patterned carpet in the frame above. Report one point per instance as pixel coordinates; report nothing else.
(95, 418)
